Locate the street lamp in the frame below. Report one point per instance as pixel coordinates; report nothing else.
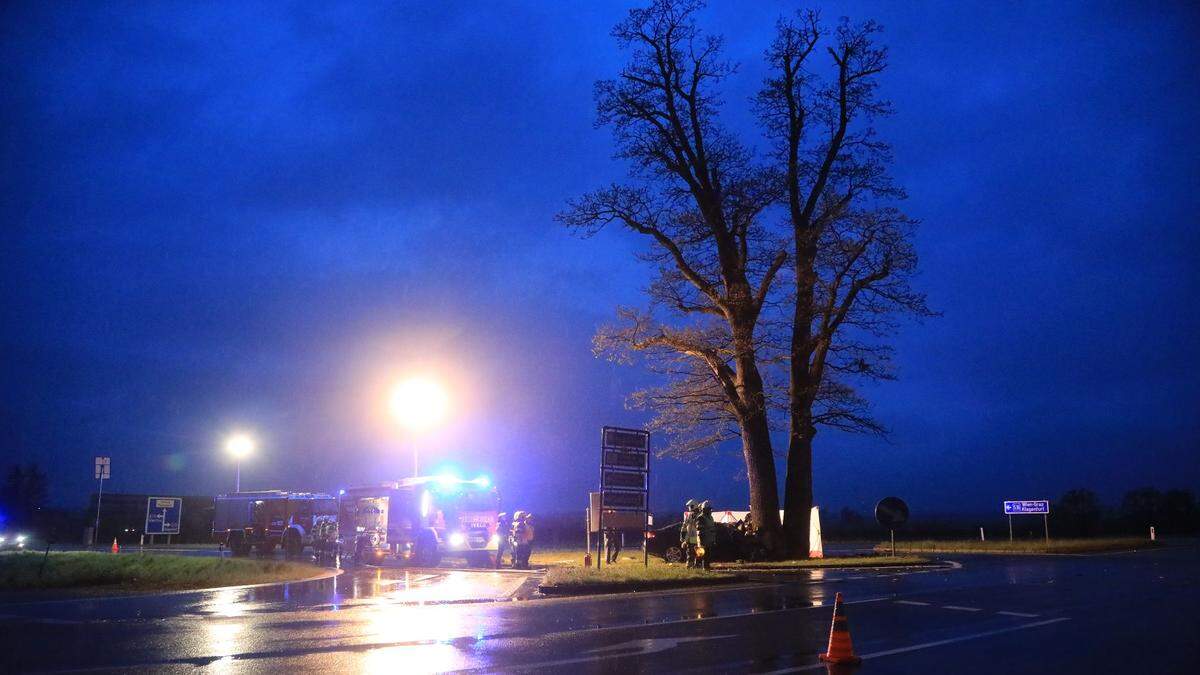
(239, 446)
(418, 403)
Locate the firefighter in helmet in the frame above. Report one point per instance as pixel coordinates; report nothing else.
(689, 535)
(706, 528)
(504, 534)
(522, 530)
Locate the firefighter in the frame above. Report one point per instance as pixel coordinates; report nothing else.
(612, 539)
(504, 534)
(689, 536)
(706, 528)
(522, 539)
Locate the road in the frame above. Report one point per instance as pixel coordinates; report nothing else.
(1132, 613)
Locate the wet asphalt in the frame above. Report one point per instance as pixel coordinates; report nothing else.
(1115, 613)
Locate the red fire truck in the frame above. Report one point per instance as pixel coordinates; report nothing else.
(270, 518)
(421, 520)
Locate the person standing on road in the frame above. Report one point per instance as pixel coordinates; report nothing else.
(612, 540)
(504, 534)
(522, 539)
(689, 536)
(706, 528)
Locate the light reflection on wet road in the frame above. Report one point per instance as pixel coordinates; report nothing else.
(1020, 613)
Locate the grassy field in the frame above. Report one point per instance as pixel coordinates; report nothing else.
(816, 563)
(567, 575)
(20, 571)
(1029, 546)
(573, 557)
(627, 577)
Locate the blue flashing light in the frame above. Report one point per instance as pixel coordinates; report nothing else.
(341, 492)
(447, 479)
(482, 481)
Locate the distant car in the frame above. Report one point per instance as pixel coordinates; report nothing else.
(732, 544)
(13, 541)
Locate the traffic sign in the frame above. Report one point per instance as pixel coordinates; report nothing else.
(103, 468)
(891, 512)
(163, 515)
(1028, 506)
(624, 481)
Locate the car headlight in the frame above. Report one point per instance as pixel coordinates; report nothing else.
(20, 539)
(1, 540)
(457, 539)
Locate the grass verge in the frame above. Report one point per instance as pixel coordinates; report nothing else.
(566, 580)
(24, 571)
(1019, 547)
(817, 563)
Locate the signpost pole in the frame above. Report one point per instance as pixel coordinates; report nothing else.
(893, 542)
(96, 528)
(1046, 525)
(1010, 528)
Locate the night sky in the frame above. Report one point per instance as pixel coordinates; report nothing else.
(223, 216)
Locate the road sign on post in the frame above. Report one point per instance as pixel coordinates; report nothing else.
(891, 512)
(1028, 507)
(103, 472)
(163, 515)
(624, 497)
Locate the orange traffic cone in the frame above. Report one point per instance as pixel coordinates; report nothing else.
(115, 548)
(840, 650)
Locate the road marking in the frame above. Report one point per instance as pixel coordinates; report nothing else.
(1023, 615)
(912, 602)
(928, 645)
(962, 609)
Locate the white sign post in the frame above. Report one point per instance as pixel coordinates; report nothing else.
(103, 471)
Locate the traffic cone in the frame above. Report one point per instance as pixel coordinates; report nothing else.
(115, 548)
(840, 650)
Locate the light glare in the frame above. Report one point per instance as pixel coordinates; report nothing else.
(419, 403)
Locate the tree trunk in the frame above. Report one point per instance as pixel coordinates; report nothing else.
(764, 489)
(798, 493)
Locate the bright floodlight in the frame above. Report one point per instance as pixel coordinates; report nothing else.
(239, 445)
(419, 403)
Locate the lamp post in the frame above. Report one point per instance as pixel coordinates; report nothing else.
(418, 403)
(239, 446)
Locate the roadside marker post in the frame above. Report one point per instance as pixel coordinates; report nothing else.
(1152, 538)
(981, 536)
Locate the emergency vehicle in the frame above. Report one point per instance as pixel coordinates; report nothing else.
(265, 519)
(421, 520)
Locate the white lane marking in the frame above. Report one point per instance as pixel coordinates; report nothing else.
(960, 608)
(912, 602)
(928, 645)
(1023, 615)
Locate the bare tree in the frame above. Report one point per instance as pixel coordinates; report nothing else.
(697, 197)
(852, 255)
(777, 275)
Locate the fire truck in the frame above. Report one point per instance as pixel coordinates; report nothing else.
(265, 519)
(421, 520)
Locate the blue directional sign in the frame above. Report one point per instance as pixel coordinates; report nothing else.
(163, 515)
(1027, 507)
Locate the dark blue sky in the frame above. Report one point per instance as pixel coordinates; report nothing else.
(230, 215)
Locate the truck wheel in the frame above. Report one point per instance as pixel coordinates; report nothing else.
(236, 544)
(292, 544)
(673, 555)
(427, 554)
